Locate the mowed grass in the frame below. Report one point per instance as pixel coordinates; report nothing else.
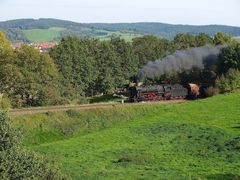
(43, 35)
(194, 140)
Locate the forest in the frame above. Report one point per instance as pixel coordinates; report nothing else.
(81, 67)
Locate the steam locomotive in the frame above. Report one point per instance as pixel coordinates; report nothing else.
(162, 92)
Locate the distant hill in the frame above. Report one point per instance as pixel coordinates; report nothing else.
(168, 30)
(30, 30)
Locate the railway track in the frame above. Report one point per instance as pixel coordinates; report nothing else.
(16, 112)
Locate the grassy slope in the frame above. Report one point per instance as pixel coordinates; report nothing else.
(42, 35)
(199, 139)
(127, 35)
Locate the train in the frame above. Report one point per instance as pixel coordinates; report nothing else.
(139, 93)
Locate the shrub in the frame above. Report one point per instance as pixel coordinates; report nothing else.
(229, 57)
(22, 164)
(229, 82)
(17, 163)
(9, 137)
(83, 100)
(5, 103)
(211, 91)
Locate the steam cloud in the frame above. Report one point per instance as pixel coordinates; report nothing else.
(181, 60)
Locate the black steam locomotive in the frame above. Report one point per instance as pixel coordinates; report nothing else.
(162, 92)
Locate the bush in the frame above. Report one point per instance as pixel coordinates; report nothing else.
(9, 137)
(83, 100)
(5, 103)
(229, 57)
(22, 164)
(229, 82)
(16, 163)
(211, 91)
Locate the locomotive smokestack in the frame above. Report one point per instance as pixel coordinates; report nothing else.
(181, 60)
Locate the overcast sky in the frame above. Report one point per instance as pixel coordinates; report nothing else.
(197, 12)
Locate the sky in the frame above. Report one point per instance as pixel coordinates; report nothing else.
(194, 12)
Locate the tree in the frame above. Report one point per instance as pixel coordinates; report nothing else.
(4, 43)
(128, 63)
(221, 38)
(149, 48)
(107, 67)
(203, 39)
(184, 41)
(229, 57)
(76, 64)
(27, 76)
(230, 81)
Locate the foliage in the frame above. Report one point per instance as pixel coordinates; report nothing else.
(16, 35)
(9, 137)
(184, 41)
(5, 103)
(75, 63)
(28, 77)
(211, 91)
(202, 39)
(149, 48)
(230, 81)
(197, 140)
(221, 38)
(89, 66)
(229, 58)
(128, 62)
(4, 43)
(17, 163)
(105, 98)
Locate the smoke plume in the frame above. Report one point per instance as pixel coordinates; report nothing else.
(180, 61)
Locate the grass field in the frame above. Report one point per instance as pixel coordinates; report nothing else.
(194, 140)
(128, 36)
(43, 35)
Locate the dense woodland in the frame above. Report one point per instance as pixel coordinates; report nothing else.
(80, 67)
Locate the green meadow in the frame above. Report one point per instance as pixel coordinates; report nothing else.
(43, 35)
(51, 34)
(195, 140)
(126, 35)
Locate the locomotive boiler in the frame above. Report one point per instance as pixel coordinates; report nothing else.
(163, 92)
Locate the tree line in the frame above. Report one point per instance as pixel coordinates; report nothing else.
(80, 67)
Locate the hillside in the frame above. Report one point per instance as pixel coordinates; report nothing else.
(18, 30)
(168, 30)
(43, 35)
(195, 140)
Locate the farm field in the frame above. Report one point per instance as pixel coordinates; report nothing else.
(195, 140)
(128, 35)
(43, 35)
